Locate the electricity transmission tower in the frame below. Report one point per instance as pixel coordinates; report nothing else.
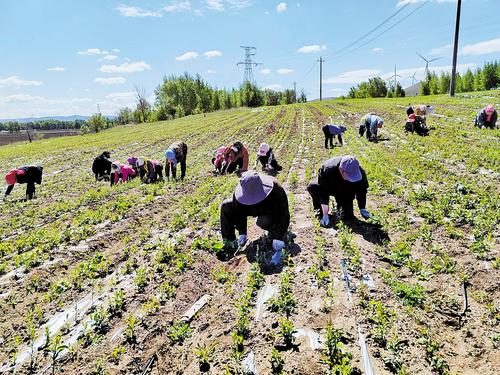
(249, 52)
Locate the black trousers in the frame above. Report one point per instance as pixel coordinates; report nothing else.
(229, 221)
(329, 137)
(344, 202)
(231, 168)
(30, 190)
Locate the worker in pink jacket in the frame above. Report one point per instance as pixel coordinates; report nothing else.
(121, 172)
(220, 160)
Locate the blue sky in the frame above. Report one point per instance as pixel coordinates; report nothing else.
(66, 57)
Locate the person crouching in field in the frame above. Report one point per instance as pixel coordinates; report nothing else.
(265, 156)
(487, 117)
(237, 158)
(342, 178)
(121, 172)
(28, 175)
(102, 166)
(370, 123)
(416, 124)
(258, 196)
(330, 131)
(219, 161)
(150, 171)
(176, 153)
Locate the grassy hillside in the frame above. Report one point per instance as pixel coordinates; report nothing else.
(112, 270)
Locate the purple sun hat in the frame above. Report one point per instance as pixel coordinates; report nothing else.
(350, 168)
(253, 188)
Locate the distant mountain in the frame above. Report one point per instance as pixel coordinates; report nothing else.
(60, 118)
(413, 90)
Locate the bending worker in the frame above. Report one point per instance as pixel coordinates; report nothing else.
(219, 161)
(258, 196)
(102, 166)
(342, 178)
(176, 153)
(28, 175)
(121, 172)
(150, 171)
(331, 131)
(237, 157)
(370, 123)
(266, 157)
(487, 117)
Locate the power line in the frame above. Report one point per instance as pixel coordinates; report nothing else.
(372, 30)
(383, 32)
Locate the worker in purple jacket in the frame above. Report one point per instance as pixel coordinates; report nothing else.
(258, 196)
(342, 178)
(331, 131)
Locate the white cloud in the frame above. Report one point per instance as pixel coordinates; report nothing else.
(265, 71)
(281, 7)
(284, 71)
(209, 71)
(93, 52)
(126, 67)
(121, 96)
(56, 69)
(212, 54)
(275, 86)
(404, 2)
(110, 80)
(116, 50)
(482, 48)
(311, 48)
(128, 11)
(215, 5)
(239, 4)
(178, 6)
(441, 50)
(15, 81)
(187, 56)
(109, 57)
(376, 50)
(353, 76)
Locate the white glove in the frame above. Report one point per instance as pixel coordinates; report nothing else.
(365, 213)
(242, 240)
(325, 221)
(278, 245)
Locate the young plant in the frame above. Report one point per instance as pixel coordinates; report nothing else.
(335, 357)
(131, 330)
(204, 354)
(179, 331)
(277, 362)
(287, 331)
(55, 348)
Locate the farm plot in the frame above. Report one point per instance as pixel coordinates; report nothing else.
(96, 279)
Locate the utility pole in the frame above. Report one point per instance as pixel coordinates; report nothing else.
(249, 52)
(321, 61)
(455, 50)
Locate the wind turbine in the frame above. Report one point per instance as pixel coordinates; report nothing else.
(427, 63)
(413, 79)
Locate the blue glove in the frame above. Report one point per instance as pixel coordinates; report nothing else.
(325, 221)
(242, 240)
(365, 213)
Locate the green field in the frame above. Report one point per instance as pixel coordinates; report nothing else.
(113, 269)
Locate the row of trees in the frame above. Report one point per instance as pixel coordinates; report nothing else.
(186, 95)
(485, 78)
(376, 88)
(15, 126)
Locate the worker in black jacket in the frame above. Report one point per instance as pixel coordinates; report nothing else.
(342, 178)
(102, 166)
(28, 175)
(258, 196)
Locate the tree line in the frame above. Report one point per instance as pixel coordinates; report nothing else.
(15, 126)
(184, 95)
(485, 78)
(376, 88)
